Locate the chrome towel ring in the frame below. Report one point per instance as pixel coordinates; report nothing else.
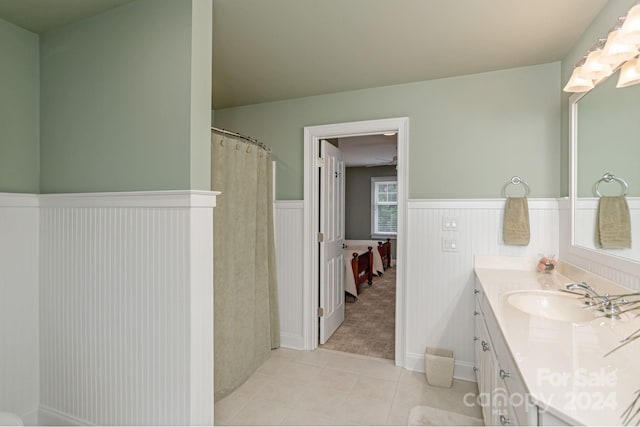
(516, 180)
(609, 177)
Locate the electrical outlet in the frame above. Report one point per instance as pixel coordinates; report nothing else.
(449, 245)
(449, 223)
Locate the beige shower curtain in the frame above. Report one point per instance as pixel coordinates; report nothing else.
(246, 303)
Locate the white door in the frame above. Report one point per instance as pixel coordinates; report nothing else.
(332, 229)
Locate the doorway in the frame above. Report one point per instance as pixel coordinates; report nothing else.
(370, 221)
(313, 135)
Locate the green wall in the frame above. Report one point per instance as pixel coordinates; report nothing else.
(357, 224)
(468, 135)
(201, 58)
(19, 110)
(599, 28)
(608, 129)
(120, 110)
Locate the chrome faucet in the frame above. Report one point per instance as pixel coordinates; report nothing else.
(590, 292)
(606, 305)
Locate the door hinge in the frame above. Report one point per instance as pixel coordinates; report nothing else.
(320, 312)
(320, 162)
(320, 237)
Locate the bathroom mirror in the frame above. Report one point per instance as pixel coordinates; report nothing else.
(605, 138)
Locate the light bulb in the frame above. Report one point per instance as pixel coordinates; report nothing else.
(578, 83)
(630, 30)
(593, 68)
(629, 74)
(615, 52)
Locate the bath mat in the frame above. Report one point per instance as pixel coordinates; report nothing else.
(428, 416)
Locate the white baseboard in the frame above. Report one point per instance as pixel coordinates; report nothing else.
(292, 341)
(414, 362)
(30, 418)
(462, 370)
(51, 417)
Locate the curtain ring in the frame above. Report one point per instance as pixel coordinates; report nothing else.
(238, 147)
(222, 142)
(248, 149)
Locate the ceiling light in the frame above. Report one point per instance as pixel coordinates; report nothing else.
(577, 82)
(629, 74)
(389, 133)
(615, 52)
(593, 68)
(630, 30)
(619, 50)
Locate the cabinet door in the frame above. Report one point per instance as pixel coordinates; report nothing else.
(547, 419)
(486, 363)
(479, 361)
(477, 348)
(505, 414)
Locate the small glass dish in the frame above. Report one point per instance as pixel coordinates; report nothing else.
(547, 264)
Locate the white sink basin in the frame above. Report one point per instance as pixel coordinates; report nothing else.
(551, 305)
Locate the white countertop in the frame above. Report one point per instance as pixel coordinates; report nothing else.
(562, 363)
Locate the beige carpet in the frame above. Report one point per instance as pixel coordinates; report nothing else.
(428, 416)
(369, 324)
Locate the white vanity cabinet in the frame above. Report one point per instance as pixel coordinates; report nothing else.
(503, 395)
(538, 365)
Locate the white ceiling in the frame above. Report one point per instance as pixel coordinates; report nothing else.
(266, 50)
(369, 150)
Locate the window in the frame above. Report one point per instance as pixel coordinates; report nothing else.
(384, 206)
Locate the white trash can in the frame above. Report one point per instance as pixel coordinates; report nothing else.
(439, 364)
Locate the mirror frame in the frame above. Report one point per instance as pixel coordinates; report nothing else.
(626, 265)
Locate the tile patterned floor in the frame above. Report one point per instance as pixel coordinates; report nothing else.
(325, 387)
(369, 322)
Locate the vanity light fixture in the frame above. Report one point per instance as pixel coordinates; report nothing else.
(577, 82)
(594, 67)
(630, 30)
(629, 74)
(618, 51)
(615, 52)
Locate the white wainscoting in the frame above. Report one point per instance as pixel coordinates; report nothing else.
(19, 342)
(440, 284)
(126, 308)
(593, 264)
(289, 227)
(585, 218)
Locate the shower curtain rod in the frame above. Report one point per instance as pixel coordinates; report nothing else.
(246, 138)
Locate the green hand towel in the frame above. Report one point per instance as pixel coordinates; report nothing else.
(515, 226)
(613, 223)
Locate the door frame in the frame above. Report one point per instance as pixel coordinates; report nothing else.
(311, 283)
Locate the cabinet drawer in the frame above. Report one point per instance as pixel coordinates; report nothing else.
(479, 295)
(508, 374)
(513, 382)
(508, 417)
